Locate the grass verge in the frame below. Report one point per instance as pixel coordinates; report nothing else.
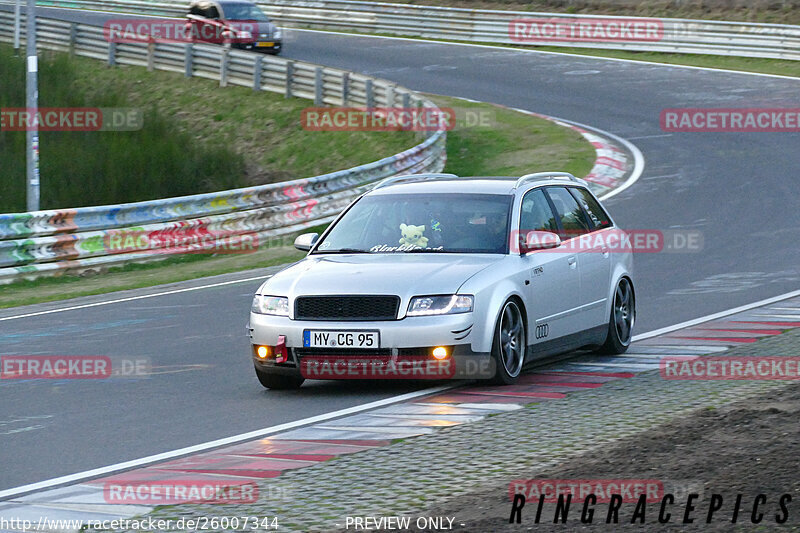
(510, 143)
(515, 144)
(195, 137)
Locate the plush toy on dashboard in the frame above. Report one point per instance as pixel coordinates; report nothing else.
(412, 235)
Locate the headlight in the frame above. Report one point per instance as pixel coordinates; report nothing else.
(277, 34)
(440, 305)
(246, 35)
(270, 305)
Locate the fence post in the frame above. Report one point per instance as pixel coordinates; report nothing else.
(370, 94)
(318, 95)
(188, 60)
(257, 73)
(345, 88)
(151, 56)
(289, 78)
(389, 96)
(223, 68)
(112, 54)
(406, 100)
(73, 37)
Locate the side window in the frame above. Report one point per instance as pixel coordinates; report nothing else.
(595, 212)
(573, 221)
(536, 213)
(212, 13)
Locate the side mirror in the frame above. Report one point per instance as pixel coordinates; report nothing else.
(538, 240)
(305, 241)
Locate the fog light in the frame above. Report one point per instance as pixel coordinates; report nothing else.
(440, 352)
(263, 352)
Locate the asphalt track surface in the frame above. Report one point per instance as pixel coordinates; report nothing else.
(739, 189)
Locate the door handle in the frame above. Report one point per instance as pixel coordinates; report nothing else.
(572, 261)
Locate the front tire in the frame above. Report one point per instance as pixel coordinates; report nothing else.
(508, 348)
(278, 381)
(621, 322)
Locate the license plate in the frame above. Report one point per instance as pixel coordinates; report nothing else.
(316, 338)
(265, 44)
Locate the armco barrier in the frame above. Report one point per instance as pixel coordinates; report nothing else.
(781, 41)
(45, 242)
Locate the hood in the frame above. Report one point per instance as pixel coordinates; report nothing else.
(404, 275)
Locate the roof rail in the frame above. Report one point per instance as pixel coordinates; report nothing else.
(546, 175)
(413, 177)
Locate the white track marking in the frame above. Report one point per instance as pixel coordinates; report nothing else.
(132, 298)
(649, 137)
(714, 316)
(96, 472)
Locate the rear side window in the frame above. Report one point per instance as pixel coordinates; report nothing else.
(595, 212)
(573, 220)
(536, 214)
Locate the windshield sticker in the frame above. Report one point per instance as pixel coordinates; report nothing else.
(402, 248)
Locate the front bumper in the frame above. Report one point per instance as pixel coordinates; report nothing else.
(409, 332)
(401, 341)
(262, 46)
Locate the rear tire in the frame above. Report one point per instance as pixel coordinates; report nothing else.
(622, 319)
(508, 347)
(278, 381)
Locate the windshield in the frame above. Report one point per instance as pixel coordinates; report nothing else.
(418, 223)
(244, 12)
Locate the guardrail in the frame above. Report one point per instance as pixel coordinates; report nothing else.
(44, 242)
(777, 41)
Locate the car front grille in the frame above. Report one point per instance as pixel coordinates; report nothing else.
(346, 308)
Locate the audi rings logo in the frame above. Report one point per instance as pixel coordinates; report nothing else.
(542, 331)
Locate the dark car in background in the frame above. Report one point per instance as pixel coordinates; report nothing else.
(238, 22)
